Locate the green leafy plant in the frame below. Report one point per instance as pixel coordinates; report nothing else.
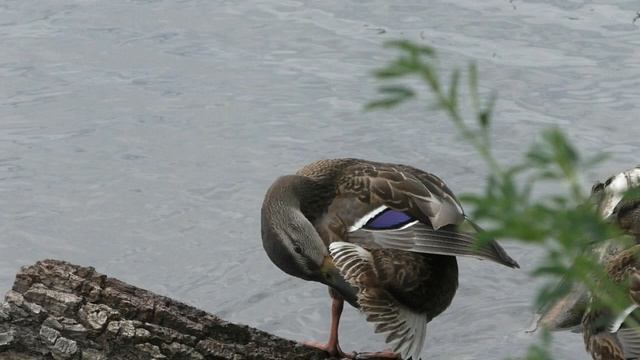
(564, 224)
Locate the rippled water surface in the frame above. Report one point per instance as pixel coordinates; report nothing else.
(139, 137)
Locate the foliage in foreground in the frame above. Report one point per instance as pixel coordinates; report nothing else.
(564, 224)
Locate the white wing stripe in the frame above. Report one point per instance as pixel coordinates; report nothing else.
(615, 326)
(363, 220)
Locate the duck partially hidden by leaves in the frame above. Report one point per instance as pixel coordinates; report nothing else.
(608, 196)
(383, 237)
(611, 336)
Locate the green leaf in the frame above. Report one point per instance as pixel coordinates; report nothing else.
(510, 205)
(395, 95)
(484, 117)
(401, 67)
(632, 194)
(430, 76)
(453, 88)
(397, 90)
(383, 103)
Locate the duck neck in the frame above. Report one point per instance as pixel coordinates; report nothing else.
(285, 195)
(299, 193)
(284, 225)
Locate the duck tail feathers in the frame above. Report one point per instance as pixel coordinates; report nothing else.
(501, 255)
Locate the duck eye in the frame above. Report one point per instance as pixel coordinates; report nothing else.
(297, 249)
(597, 187)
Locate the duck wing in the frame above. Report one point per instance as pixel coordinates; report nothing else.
(404, 330)
(629, 336)
(428, 199)
(400, 207)
(423, 239)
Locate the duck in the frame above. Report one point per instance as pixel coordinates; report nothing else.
(613, 336)
(609, 335)
(383, 237)
(567, 312)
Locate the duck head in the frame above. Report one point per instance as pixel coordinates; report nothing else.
(292, 242)
(608, 195)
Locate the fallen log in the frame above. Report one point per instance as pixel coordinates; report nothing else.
(57, 310)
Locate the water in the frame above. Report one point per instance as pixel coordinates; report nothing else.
(139, 137)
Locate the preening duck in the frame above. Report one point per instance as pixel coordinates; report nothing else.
(384, 237)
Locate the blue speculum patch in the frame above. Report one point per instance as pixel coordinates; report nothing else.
(389, 219)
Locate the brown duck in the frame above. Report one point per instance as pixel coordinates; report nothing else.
(607, 335)
(384, 237)
(568, 311)
(610, 336)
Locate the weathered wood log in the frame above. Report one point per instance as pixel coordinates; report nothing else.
(57, 310)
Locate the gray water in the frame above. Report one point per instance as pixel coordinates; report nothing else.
(140, 136)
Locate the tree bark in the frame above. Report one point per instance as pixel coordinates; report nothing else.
(58, 310)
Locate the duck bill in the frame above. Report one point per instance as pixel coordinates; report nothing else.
(332, 277)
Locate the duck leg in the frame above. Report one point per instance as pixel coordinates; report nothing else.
(332, 346)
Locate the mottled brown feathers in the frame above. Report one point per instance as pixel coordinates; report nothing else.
(603, 346)
(423, 282)
(404, 188)
(620, 266)
(599, 341)
(627, 217)
(405, 270)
